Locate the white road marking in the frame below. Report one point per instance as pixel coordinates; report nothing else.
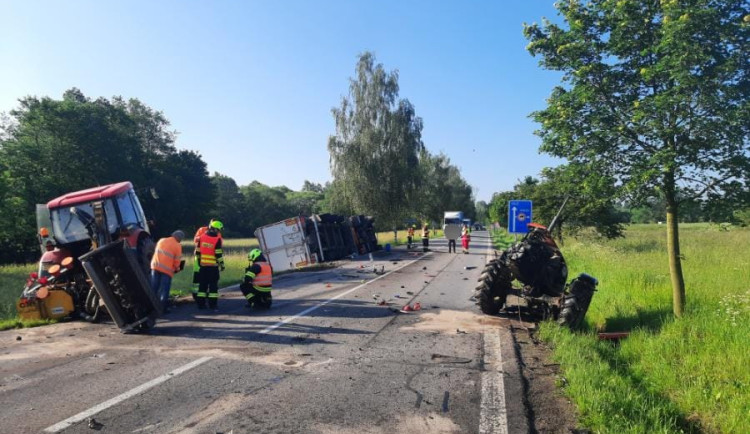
(493, 415)
(129, 394)
(310, 309)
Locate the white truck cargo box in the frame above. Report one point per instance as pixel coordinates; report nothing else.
(452, 222)
(285, 244)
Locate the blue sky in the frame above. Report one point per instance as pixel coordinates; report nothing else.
(250, 85)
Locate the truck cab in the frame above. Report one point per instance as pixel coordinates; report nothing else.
(452, 221)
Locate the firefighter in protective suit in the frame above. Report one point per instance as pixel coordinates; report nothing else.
(256, 286)
(211, 260)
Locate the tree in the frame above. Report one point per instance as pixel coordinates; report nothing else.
(656, 94)
(375, 150)
(590, 201)
(442, 188)
(49, 147)
(481, 208)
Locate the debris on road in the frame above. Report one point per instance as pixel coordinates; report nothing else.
(18, 338)
(442, 358)
(411, 308)
(409, 292)
(460, 332)
(93, 424)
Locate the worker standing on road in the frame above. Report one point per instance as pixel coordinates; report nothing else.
(425, 238)
(410, 236)
(256, 286)
(465, 238)
(196, 266)
(167, 261)
(211, 259)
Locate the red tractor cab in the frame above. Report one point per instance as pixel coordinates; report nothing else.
(70, 221)
(96, 258)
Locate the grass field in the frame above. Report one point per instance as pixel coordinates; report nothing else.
(670, 375)
(12, 277)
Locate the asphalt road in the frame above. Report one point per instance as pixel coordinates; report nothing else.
(325, 359)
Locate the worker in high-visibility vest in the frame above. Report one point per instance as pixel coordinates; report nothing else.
(258, 281)
(409, 236)
(196, 266)
(210, 259)
(465, 238)
(425, 238)
(167, 261)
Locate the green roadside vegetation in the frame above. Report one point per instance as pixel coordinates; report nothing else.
(670, 375)
(12, 277)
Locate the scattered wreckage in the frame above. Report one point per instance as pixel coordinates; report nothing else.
(538, 264)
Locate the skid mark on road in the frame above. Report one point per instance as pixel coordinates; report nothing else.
(321, 304)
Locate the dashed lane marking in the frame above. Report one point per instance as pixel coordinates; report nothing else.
(127, 395)
(319, 305)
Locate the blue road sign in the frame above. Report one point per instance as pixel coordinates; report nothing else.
(519, 215)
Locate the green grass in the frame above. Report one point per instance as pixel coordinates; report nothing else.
(12, 280)
(387, 237)
(669, 375)
(235, 260)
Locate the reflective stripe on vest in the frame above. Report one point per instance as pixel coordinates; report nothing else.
(166, 258)
(207, 249)
(263, 280)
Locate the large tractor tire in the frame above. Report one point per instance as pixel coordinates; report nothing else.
(94, 310)
(494, 291)
(145, 251)
(575, 303)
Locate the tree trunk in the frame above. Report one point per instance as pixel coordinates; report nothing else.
(395, 236)
(673, 250)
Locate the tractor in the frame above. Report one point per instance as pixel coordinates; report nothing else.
(538, 264)
(96, 257)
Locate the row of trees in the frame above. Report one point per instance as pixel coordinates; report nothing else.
(379, 163)
(49, 147)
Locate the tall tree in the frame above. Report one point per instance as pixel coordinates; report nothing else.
(655, 94)
(375, 151)
(50, 147)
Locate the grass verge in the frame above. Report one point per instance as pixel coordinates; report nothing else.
(670, 375)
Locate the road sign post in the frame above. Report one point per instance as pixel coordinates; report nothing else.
(519, 216)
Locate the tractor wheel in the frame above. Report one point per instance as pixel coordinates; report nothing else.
(575, 304)
(492, 294)
(145, 251)
(93, 308)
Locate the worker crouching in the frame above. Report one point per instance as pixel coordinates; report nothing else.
(256, 286)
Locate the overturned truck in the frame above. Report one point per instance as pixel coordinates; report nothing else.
(301, 241)
(538, 264)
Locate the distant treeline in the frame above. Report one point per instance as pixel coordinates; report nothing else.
(49, 147)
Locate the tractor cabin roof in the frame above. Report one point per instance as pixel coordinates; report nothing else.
(90, 194)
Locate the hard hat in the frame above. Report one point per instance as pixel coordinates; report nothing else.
(217, 225)
(254, 254)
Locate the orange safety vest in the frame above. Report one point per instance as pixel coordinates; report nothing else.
(207, 250)
(411, 232)
(201, 230)
(167, 256)
(263, 280)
